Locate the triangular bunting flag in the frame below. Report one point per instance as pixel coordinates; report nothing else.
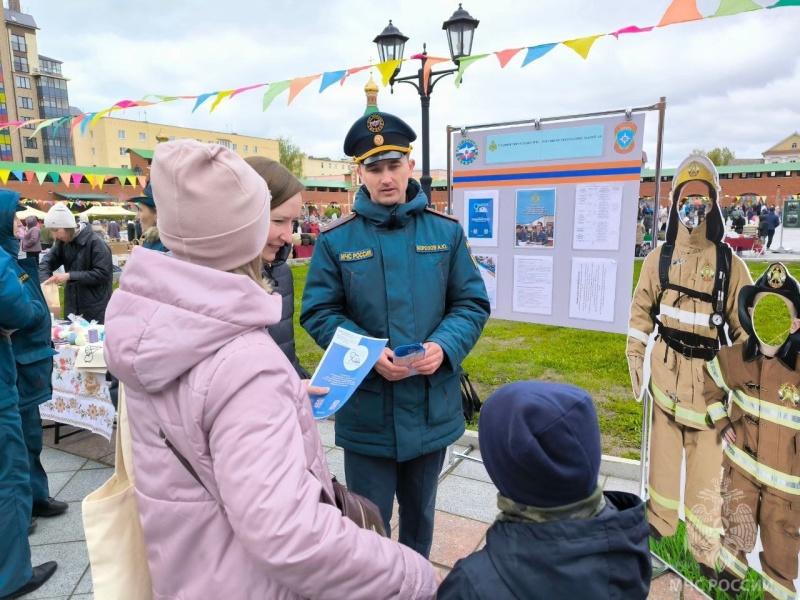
(65, 178)
(99, 114)
(582, 45)
(353, 71)
(100, 180)
(142, 181)
(41, 176)
(329, 78)
(4, 175)
(19, 175)
(734, 7)
(57, 125)
(464, 63)
(535, 52)
(85, 123)
(44, 123)
(132, 180)
(387, 69)
(426, 71)
(76, 179)
(782, 3)
(54, 177)
(680, 11)
(29, 175)
(240, 90)
(298, 84)
(631, 29)
(506, 55)
(202, 98)
(274, 90)
(75, 122)
(220, 97)
(90, 179)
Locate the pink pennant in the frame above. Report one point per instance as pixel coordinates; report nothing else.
(126, 104)
(76, 179)
(353, 71)
(506, 55)
(245, 89)
(29, 175)
(631, 29)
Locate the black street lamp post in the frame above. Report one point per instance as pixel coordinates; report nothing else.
(460, 30)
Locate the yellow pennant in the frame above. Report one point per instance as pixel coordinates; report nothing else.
(582, 45)
(386, 69)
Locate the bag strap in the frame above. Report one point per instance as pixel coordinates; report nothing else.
(184, 462)
(124, 454)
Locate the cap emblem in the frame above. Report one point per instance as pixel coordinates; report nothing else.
(694, 169)
(375, 123)
(776, 276)
(378, 139)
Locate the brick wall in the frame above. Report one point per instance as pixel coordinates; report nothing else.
(761, 186)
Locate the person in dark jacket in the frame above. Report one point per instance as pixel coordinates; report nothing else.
(558, 534)
(763, 225)
(18, 310)
(33, 352)
(86, 259)
(286, 206)
(773, 221)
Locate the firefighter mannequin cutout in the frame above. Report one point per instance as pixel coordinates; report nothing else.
(751, 390)
(687, 293)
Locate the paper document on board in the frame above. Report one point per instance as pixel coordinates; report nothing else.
(347, 361)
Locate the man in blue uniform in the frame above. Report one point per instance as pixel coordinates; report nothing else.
(397, 269)
(33, 352)
(18, 310)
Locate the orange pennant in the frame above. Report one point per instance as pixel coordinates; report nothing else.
(142, 181)
(298, 85)
(66, 178)
(506, 55)
(426, 72)
(29, 175)
(680, 11)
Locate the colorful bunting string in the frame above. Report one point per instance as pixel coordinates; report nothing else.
(679, 11)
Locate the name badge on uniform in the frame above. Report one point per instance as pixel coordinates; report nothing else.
(432, 247)
(23, 278)
(356, 255)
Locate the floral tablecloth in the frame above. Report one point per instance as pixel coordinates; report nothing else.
(80, 398)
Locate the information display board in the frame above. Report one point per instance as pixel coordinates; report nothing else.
(550, 213)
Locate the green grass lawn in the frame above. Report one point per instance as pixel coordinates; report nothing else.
(513, 351)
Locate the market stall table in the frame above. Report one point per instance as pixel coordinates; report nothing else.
(80, 391)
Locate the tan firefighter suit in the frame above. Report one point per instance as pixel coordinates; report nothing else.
(761, 484)
(686, 339)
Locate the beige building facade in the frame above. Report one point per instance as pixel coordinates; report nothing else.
(786, 151)
(314, 166)
(107, 143)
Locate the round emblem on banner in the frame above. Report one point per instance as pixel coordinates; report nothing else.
(378, 139)
(375, 123)
(467, 151)
(624, 136)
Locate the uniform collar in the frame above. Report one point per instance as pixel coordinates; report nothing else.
(787, 353)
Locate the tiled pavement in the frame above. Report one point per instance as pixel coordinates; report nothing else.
(465, 507)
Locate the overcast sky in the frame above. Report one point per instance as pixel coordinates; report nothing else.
(732, 81)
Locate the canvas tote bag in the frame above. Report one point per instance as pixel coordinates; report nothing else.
(113, 531)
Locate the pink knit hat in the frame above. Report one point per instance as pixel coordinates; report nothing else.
(213, 208)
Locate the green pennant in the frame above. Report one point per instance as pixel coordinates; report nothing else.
(734, 7)
(465, 62)
(782, 3)
(274, 90)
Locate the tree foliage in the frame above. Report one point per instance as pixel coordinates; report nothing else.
(719, 156)
(291, 156)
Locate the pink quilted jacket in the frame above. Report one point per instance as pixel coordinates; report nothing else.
(190, 345)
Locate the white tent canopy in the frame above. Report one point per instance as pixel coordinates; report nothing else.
(107, 211)
(30, 212)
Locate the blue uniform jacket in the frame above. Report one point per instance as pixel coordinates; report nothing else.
(606, 557)
(18, 310)
(32, 347)
(405, 273)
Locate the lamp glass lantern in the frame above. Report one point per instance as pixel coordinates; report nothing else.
(391, 43)
(460, 32)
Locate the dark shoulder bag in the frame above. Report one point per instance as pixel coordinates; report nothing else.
(470, 402)
(356, 508)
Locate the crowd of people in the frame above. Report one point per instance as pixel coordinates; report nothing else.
(234, 494)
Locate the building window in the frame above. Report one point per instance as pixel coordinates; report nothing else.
(244, 147)
(28, 126)
(123, 151)
(22, 82)
(31, 159)
(91, 135)
(224, 143)
(123, 166)
(172, 138)
(30, 142)
(235, 147)
(21, 64)
(18, 43)
(25, 102)
(142, 137)
(743, 176)
(758, 175)
(121, 134)
(93, 152)
(255, 149)
(794, 145)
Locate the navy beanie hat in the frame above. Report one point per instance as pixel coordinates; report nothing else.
(540, 443)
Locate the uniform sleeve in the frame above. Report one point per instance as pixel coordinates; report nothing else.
(715, 393)
(19, 309)
(640, 324)
(466, 308)
(272, 500)
(740, 277)
(324, 301)
(101, 271)
(51, 261)
(457, 586)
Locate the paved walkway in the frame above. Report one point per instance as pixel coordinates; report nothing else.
(465, 507)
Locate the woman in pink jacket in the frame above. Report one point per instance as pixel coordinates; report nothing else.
(187, 336)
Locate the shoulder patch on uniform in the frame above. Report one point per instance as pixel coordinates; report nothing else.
(433, 211)
(338, 222)
(23, 278)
